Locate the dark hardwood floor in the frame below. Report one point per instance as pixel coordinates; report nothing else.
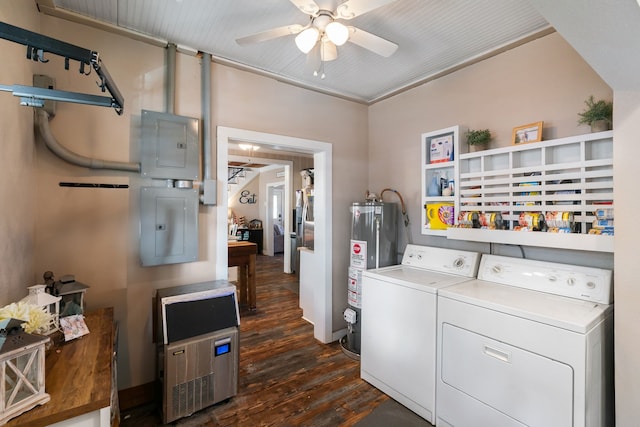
(286, 377)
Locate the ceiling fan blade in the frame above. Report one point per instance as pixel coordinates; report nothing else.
(352, 8)
(372, 42)
(270, 34)
(309, 7)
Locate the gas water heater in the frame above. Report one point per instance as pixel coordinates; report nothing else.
(374, 244)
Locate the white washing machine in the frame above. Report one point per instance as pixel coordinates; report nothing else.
(398, 344)
(528, 343)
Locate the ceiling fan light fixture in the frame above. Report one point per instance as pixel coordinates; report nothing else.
(338, 33)
(307, 39)
(328, 50)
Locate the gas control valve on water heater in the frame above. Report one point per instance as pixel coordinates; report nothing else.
(374, 244)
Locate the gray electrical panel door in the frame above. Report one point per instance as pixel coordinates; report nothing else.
(170, 146)
(168, 225)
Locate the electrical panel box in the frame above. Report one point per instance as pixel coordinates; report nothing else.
(170, 146)
(168, 225)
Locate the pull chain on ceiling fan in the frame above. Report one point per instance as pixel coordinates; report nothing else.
(320, 38)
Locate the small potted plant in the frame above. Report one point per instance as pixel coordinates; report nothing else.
(598, 115)
(478, 139)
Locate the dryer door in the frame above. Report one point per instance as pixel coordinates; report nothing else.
(527, 387)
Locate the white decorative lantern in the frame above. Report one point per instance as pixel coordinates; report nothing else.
(22, 364)
(48, 303)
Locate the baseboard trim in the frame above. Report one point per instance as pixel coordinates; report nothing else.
(137, 396)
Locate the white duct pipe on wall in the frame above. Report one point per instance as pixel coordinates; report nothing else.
(42, 118)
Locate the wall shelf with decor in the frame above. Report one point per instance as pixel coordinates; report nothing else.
(440, 151)
(564, 186)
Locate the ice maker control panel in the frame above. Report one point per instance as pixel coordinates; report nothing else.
(462, 263)
(585, 283)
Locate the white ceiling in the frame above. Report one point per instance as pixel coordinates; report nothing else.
(434, 36)
(605, 33)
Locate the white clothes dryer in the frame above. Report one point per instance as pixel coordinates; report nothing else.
(528, 343)
(398, 344)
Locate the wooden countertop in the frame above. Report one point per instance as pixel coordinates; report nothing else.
(241, 247)
(77, 374)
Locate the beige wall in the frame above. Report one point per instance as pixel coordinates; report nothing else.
(249, 211)
(18, 164)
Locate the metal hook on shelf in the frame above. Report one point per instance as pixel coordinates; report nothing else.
(102, 84)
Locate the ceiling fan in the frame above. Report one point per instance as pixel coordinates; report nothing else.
(324, 32)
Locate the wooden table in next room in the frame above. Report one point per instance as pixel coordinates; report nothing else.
(243, 256)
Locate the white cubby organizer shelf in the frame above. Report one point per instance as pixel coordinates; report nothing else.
(441, 167)
(572, 175)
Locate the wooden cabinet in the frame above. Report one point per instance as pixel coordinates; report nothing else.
(253, 235)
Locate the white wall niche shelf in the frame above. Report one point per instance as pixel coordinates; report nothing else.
(572, 175)
(440, 153)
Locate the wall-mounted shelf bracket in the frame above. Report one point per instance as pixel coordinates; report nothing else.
(37, 46)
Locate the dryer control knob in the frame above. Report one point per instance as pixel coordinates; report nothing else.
(571, 281)
(458, 263)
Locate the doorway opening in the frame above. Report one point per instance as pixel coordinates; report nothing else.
(259, 175)
(322, 157)
(276, 214)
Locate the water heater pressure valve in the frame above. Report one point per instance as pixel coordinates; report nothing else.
(350, 316)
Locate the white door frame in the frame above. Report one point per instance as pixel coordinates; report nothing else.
(323, 241)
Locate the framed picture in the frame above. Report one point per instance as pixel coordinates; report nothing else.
(527, 133)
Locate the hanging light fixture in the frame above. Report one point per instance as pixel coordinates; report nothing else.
(320, 40)
(249, 147)
(328, 50)
(307, 39)
(337, 33)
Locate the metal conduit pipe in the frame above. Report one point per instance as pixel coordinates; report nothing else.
(69, 156)
(206, 115)
(170, 83)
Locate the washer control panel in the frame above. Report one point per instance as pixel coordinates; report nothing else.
(461, 263)
(585, 283)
